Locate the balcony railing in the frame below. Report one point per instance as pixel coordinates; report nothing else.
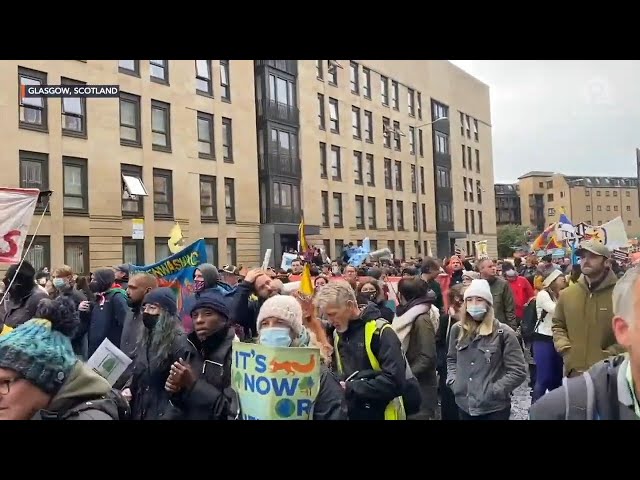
(289, 66)
(275, 163)
(283, 215)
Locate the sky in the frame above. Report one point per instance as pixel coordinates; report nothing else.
(576, 117)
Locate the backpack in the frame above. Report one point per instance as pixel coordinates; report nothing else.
(104, 404)
(530, 322)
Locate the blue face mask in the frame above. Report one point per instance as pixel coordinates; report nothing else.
(476, 311)
(275, 337)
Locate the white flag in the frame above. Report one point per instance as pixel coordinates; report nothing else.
(16, 211)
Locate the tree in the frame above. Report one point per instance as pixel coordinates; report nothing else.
(509, 237)
(238, 380)
(306, 385)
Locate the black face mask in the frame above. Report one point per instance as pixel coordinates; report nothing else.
(98, 287)
(150, 320)
(370, 295)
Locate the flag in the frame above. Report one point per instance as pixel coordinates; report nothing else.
(541, 242)
(16, 211)
(176, 240)
(306, 285)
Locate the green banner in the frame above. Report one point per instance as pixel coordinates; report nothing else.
(275, 383)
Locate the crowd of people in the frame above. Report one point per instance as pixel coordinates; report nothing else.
(465, 333)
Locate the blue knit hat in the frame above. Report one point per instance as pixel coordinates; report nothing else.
(212, 300)
(40, 350)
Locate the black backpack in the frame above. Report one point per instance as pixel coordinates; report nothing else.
(104, 404)
(530, 321)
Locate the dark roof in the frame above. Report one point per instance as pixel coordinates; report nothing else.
(602, 182)
(506, 188)
(536, 173)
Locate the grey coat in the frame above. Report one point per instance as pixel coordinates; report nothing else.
(484, 371)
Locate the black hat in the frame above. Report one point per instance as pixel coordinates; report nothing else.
(211, 300)
(164, 297)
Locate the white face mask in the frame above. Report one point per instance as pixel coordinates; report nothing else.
(477, 312)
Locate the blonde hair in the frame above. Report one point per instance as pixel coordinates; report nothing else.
(469, 328)
(63, 271)
(338, 292)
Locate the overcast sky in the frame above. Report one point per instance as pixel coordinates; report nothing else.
(573, 117)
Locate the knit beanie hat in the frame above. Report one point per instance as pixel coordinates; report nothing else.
(40, 350)
(164, 297)
(285, 308)
(479, 288)
(212, 300)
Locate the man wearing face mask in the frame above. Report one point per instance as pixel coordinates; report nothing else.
(205, 279)
(65, 287)
(138, 286)
(109, 311)
(21, 297)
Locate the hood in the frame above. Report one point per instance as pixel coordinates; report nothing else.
(370, 312)
(210, 274)
(83, 383)
(608, 281)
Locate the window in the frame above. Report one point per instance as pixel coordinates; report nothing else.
(615, 194)
(464, 157)
(232, 256)
(414, 179)
(419, 106)
(414, 215)
(628, 194)
(34, 172)
(33, 110)
(479, 191)
(130, 120)
(133, 191)
(589, 208)
(162, 248)
(368, 126)
(440, 111)
(359, 212)
(206, 147)
(366, 82)
(159, 71)
(325, 208)
(130, 67)
(211, 247)
(391, 245)
(357, 167)
(334, 117)
(283, 147)
(372, 212)
(355, 84)
(444, 177)
(395, 93)
(422, 180)
(160, 126)
(386, 126)
(468, 125)
(336, 168)
(420, 144)
(384, 91)
(400, 214)
(472, 215)
(323, 160)
(598, 193)
(424, 219)
(332, 70)
(412, 140)
(442, 143)
(466, 219)
(629, 223)
(208, 207)
(549, 197)
(355, 122)
(402, 248)
(396, 136)
(411, 102)
(229, 200)
(480, 223)
(132, 251)
(371, 180)
(227, 140)
(203, 77)
(339, 247)
(615, 208)
(76, 254)
(606, 194)
(470, 160)
(398, 175)
(475, 129)
(561, 194)
(337, 210)
(74, 113)
(319, 70)
(552, 211)
(478, 161)
(462, 124)
(599, 208)
(628, 208)
(470, 189)
(464, 182)
(321, 115)
(281, 93)
(416, 247)
(540, 184)
(550, 184)
(444, 212)
(389, 210)
(388, 179)
(162, 194)
(225, 81)
(608, 208)
(39, 255)
(75, 188)
(587, 192)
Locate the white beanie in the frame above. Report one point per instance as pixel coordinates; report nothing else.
(282, 307)
(479, 288)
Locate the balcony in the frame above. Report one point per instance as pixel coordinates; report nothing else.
(444, 194)
(281, 164)
(279, 112)
(289, 66)
(283, 215)
(444, 226)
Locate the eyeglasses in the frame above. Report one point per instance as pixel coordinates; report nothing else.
(5, 385)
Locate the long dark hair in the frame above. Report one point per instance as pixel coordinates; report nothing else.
(159, 341)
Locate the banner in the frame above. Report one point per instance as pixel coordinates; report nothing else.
(612, 234)
(176, 272)
(16, 211)
(275, 383)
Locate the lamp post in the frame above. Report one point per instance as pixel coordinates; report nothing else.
(417, 186)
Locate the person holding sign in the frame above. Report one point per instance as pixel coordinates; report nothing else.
(163, 342)
(280, 325)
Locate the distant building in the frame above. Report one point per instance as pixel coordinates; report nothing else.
(507, 204)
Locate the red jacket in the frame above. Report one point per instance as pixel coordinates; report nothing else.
(522, 293)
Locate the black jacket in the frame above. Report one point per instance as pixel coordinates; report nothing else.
(14, 313)
(329, 404)
(244, 312)
(385, 312)
(79, 338)
(368, 395)
(211, 397)
(107, 320)
(442, 341)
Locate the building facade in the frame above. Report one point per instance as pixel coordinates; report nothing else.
(397, 151)
(592, 200)
(508, 209)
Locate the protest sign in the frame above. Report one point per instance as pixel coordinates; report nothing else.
(109, 361)
(176, 272)
(275, 383)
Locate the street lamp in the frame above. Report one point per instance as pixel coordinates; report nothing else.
(417, 173)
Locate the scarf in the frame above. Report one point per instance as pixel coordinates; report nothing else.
(403, 324)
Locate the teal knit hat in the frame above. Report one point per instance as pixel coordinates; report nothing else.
(40, 350)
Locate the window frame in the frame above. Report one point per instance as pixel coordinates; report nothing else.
(168, 176)
(43, 160)
(136, 101)
(139, 246)
(127, 71)
(208, 80)
(165, 67)
(227, 136)
(82, 133)
(338, 177)
(44, 110)
(340, 214)
(45, 241)
(211, 180)
(83, 164)
(127, 170)
(166, 109)
(209, 118)
(231, 184)
(232, 246)
(84, 243)
(225, 95)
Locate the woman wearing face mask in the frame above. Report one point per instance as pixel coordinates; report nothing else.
(65, 287)
(370, 289)
(280, 325)
(163, 342)
(485, 362)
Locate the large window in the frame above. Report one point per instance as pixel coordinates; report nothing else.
(75, 188)
(33, 110)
